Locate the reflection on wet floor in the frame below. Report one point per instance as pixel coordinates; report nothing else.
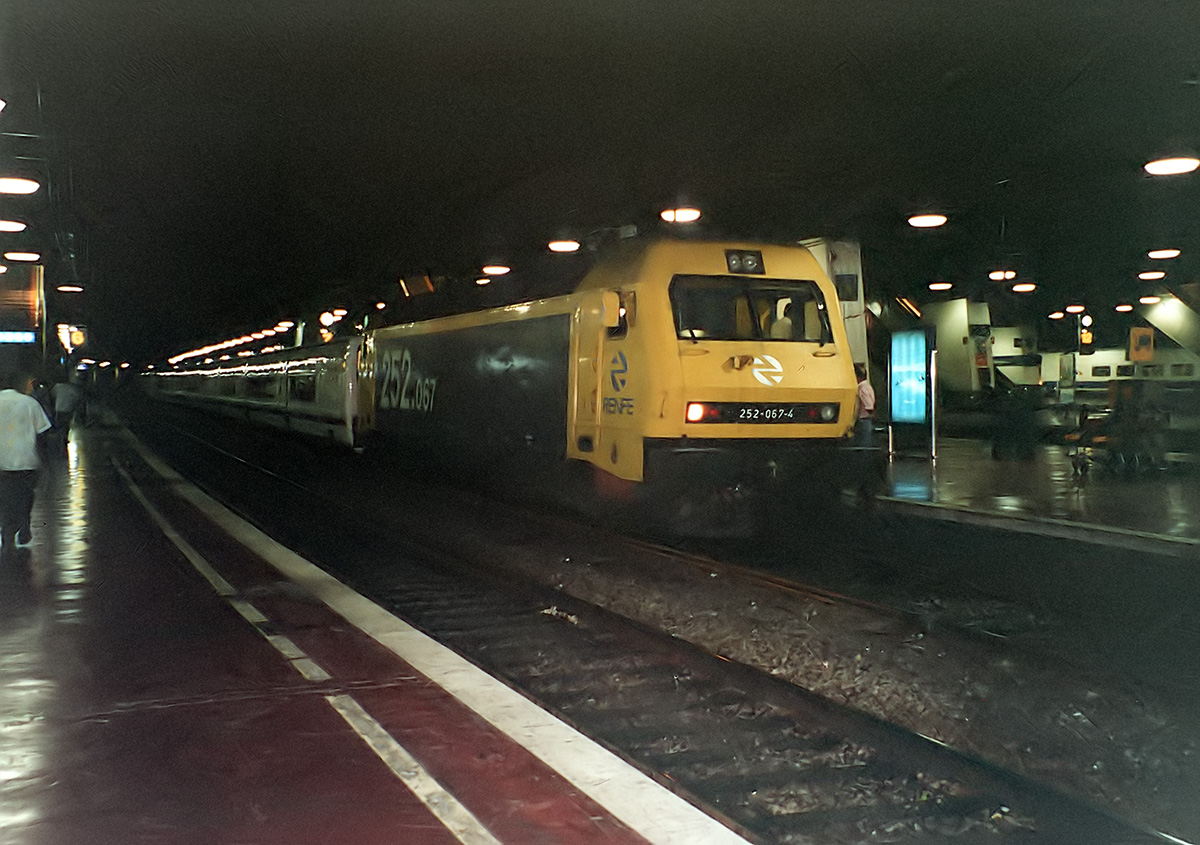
(41, 588)
(966, 476)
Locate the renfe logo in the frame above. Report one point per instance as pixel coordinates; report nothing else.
(619, 368)
(767, 370)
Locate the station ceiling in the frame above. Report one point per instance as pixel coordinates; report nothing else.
(219, 163)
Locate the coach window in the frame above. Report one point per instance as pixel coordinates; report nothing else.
(302, 387)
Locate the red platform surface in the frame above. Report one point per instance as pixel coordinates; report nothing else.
(139, 705)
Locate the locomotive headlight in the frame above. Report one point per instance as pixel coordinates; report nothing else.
(695, 412)
(829, 412)
(744, 261)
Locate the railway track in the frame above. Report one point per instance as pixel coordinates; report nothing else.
(775, 761)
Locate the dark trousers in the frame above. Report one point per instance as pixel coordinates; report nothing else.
(16, 502)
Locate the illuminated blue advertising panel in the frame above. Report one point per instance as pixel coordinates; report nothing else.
(910, 376)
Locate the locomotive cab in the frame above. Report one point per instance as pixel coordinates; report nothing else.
(725, 360)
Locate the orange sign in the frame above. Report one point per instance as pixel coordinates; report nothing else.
(1141, 343)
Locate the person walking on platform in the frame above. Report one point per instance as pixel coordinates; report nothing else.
(21, 421)
(864, 425)
(66, 395)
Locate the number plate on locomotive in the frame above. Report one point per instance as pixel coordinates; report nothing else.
(763, 412)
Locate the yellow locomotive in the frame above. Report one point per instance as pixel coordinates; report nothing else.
(676, 371)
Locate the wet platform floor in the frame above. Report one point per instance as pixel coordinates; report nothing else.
(161, 682)
(1047, 490)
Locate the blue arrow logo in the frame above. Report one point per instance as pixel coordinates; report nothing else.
(620, 368)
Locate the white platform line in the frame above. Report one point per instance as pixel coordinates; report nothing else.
(452, 814)
(647, 807)
(457, 818)
(223, 587)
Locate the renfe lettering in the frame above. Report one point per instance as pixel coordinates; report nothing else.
(619, 406)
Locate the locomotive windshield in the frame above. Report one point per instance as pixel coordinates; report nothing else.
(740, 308)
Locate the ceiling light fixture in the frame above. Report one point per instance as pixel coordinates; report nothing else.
(927, 221)
(22, 256)
(1124, 307)
(483, 280)
(1149, 300)
(563, 246)
(70, 288)
(1056, 315)
(496, 269)
(996, 275)
(12, 226)
(940, 285)
(1074, 309)
(1024, 287)
(1151, 275)
(1171, 166)
(1163, 253)
(17, 185)
(680, 215)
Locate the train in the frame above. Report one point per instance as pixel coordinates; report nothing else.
(677, 377)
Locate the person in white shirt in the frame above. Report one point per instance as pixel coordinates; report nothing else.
(21, 421)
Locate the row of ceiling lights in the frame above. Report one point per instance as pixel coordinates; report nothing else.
(1158, 167)
(281, 326)
(566, 245)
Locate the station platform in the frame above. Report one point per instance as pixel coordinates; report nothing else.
(1045, 494)
(171, 675)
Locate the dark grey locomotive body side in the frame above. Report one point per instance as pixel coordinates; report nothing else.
(477, 400)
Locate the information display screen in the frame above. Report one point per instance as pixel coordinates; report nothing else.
(910, 376)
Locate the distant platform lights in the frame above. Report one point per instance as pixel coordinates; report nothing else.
(278, 328)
